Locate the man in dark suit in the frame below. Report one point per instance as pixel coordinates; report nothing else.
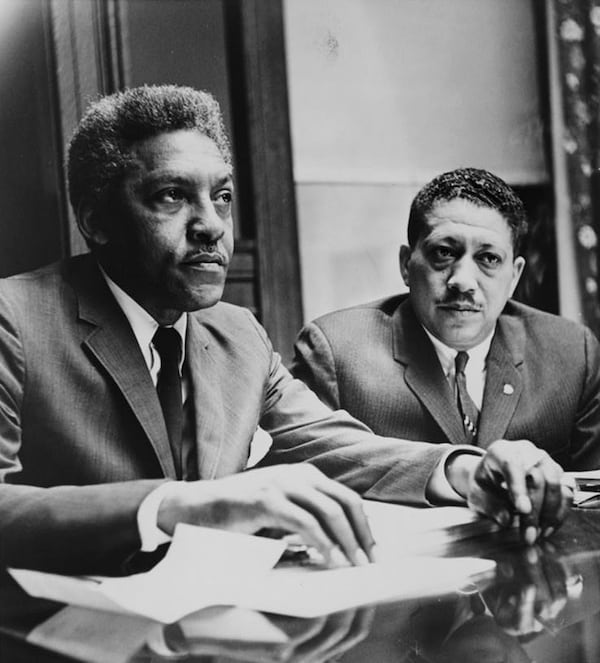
(121, 369)
(394, 363)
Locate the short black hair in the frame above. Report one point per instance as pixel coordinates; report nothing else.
(98, 154)
(479, 187)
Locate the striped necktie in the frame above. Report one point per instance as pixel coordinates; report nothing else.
(468, 410)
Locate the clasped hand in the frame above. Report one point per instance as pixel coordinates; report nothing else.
(515, 478)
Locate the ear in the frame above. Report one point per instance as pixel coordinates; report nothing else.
(518, 267)
(405, 255)
(90, 224)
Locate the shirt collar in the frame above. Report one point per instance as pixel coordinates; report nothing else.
(447, 355)
(142, 323)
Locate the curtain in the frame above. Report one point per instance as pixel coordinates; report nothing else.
(577, 38)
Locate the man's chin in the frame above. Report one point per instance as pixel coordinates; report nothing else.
(461, 338)
(203, 298)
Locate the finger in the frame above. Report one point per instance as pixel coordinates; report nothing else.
(567, 486)
(279, 511)
(514, 461)
(554, 503)
(494, 505)
(529, 523)
(333, 521)
(516, 483)
(352, 505)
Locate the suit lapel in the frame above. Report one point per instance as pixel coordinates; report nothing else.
(503, 384)
(206, 380)
(113, 344)
(423, 372)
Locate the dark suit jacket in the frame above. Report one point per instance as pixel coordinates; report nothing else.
(542, 384)
(83, 440)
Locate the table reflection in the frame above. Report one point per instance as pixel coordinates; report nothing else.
(542, 604)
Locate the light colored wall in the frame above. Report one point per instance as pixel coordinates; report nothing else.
(384, 95)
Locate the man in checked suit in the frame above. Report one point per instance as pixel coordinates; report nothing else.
(129, 394)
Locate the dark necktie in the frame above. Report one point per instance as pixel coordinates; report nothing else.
(168, 345)
(468, 410)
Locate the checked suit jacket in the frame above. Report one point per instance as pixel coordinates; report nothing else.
(542, 380)
(83, 439)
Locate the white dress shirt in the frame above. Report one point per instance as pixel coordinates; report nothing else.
(475, 373)
(144, 327)
(475, 370)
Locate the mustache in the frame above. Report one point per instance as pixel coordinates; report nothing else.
(459, 302)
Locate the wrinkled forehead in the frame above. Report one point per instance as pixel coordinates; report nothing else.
(182, 150)
(463, 220)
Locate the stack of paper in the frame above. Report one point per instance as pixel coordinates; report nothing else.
(208, 567)
(404, 530)
(587, 493)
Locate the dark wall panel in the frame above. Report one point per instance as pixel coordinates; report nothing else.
(30, 228)
(181, 41)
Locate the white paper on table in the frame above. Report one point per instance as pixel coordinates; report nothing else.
(402, 530)
(203, 567)
(82, 591)
(584, 474)
(305, 592)
(582, 495)
(206, 567)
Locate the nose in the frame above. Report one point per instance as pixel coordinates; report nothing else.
(204, 226)
(464, 275)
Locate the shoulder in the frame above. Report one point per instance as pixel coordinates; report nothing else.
(224, 313)
(544, 329)
(230, 322)
(380, 311)
(44, 277)
(37, 292)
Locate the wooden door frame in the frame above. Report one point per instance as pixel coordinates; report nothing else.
(258, 78)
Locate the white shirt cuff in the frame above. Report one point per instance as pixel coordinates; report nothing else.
(147, 517)
(439, 490)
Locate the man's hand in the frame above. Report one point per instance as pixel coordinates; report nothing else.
(513, 478)
(296, 498)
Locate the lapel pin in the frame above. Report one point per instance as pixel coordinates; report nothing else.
(508, 389)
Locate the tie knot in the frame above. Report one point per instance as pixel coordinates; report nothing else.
(461, 360)
(167, 342)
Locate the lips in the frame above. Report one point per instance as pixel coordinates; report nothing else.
(205, 259)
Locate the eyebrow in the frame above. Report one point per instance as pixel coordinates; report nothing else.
(459, 241)
(177, 178)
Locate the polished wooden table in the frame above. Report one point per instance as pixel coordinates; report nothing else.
(542, 605)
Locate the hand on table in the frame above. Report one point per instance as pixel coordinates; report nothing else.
(514, 478)
(295, 498)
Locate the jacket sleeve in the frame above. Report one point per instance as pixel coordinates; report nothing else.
(314, 364)
(305, 430)
(585, 438)
(70, 529)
